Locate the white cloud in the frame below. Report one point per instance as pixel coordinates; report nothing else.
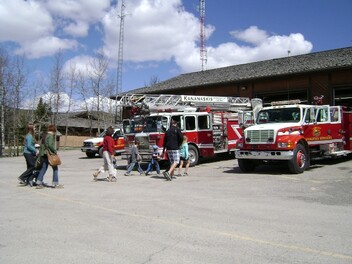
(266, 47)
(250, 35)
(155, 31)
(46, 46)
(78, 14)
(163, 31)
(81, 64)
(106, 104)
(24, 21)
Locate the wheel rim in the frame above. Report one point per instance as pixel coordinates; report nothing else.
(191, 156)
(301, 159)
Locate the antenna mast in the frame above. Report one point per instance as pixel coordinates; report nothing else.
(120, 56)
(203, 50)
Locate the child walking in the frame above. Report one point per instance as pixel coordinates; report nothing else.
(134, 160)
(184, 158)
(154, 161)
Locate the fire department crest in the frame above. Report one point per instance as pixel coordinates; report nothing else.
(316, 131)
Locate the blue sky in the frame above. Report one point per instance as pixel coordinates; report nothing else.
(161, 37)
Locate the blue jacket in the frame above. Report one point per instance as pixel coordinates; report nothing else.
(29, 145)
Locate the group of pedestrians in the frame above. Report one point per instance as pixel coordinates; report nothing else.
(175, 145)
(37, 159)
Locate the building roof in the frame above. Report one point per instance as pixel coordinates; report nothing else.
(312, 62)
(85, 120)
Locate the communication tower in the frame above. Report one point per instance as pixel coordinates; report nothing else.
(120, 54)
(203, 50)
(120, 57)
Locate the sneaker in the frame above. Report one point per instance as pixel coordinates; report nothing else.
(167, 176)
(185, 174)
(58, 186)
(22, 181)
(95, 175)
(127, 174)
(40, 186)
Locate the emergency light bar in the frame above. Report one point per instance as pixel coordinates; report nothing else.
(287, 102)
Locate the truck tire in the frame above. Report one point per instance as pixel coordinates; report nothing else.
(193, 155)
(100, 152)
(246, 165)
(90, 154)
(299, 161)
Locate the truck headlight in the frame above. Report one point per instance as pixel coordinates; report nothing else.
(284, 145)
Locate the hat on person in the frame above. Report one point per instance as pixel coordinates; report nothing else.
(155, 147)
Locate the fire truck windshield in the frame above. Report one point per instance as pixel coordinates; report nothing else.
(279, 115)
(155, 124)
(134, 125)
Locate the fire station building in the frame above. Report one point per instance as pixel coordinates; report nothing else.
(327, 74)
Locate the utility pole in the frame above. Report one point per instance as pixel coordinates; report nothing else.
(120, 57)
(203, 50)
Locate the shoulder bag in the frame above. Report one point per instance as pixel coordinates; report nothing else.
(54, 159)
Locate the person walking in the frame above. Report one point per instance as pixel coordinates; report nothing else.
(172, 141)
(29, 153)
(135, 159)
(184, 158)
(48, 144)
(154, 161)
(108, 156)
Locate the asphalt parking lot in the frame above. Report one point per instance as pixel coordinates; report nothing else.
(215, 215)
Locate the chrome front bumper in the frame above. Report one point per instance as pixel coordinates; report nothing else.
(263, 155)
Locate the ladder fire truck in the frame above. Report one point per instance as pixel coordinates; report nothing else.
(295, 133)
(211, 123)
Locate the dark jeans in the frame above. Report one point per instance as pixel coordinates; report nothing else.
(45, 165)
(152, 164)
(28, 174)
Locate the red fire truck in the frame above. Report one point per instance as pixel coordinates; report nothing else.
(210, 122)
(295, 133)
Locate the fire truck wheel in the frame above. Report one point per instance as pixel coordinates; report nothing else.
(193, 155)
(246, 165)
(299, 161)
(100, 151)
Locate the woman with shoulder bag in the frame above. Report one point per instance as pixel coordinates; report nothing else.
(48, 144)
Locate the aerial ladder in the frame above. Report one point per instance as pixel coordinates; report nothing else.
(175, 102)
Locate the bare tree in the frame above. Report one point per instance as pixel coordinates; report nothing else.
(3, 83)
(84, 92)
(18, 82)
(12, 80)
(72, 85)
(153, 80)
(97, 75)
(56, 85)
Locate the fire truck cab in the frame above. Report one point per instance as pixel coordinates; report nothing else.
(296, 133)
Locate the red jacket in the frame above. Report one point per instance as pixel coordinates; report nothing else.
(108, 144)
